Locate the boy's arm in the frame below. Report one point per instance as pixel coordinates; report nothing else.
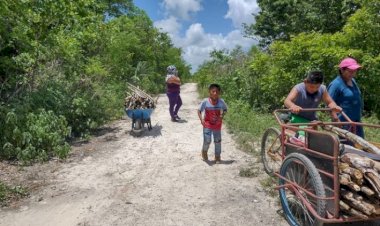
(332, 105)
(330, 102)
(224, 109)
(200, 117)
(289, 101)
(223, 113)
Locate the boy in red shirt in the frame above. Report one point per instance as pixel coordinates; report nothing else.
(214, 109)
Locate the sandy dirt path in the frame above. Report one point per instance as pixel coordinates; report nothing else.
(155, 179)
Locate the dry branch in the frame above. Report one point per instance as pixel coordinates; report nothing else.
(366, 146)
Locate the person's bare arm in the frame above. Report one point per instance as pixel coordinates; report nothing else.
(289, 101)
(200, 117)
(175, 80)
(332, 105)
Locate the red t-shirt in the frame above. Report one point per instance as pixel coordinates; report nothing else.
(213, 112)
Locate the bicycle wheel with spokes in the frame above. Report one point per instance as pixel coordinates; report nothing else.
(271, 151)
(298, 169)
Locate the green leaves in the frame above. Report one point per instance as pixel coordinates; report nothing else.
(281, 19)
(67, 62)
(34, 137)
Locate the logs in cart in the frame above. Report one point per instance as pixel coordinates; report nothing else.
(360, 186)
(138, 99)
(358, 176)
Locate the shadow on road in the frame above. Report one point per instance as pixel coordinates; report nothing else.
(155, 132)
(222, 162)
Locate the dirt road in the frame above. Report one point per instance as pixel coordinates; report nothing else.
(155, 179)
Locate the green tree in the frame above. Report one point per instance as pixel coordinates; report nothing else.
(281, 19)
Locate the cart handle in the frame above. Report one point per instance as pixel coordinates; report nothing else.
(275, 112)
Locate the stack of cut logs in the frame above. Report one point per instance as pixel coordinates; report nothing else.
(360, 186)
(358, 176)
(138, 99)
(134, 101)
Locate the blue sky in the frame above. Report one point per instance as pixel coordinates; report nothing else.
(199, 26)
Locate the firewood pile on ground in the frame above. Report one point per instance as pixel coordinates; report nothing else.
(138, 99)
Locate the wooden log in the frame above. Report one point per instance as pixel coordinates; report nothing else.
(358, 197)
(366, 190)
(343, 165)
(359, 162)
(344, 206)
(372, 177)
(373, 185)
(352, 200)
(345, 179)
(355, 174)
(366, 146)
(377, 209)
(356, 213)
(376, 166)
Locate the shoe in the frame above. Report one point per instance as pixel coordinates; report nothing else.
(174, 120)
(204, 156)
(177, 117)
(217, 159)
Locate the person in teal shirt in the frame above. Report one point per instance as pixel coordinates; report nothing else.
(346, 93)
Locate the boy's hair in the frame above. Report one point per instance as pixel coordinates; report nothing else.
(214, 85)
(315, 77)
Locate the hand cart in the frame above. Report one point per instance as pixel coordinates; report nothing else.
(308, 173)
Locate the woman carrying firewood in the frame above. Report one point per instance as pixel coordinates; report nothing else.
(346, 93)
(173, 84)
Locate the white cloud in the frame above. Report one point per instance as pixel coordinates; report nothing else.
(170, 25)
(197, 44)
(182, 8)
(240, 11)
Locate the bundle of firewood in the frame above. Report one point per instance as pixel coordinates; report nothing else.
(138, 99)
(360, 185)
(358, 176)
(134, 101)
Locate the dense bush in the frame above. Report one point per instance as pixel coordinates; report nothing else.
(38, 135)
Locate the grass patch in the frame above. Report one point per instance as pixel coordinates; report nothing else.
(269, 184)
(8, 194)
(250, 172)
(372, 134)
(248, 126)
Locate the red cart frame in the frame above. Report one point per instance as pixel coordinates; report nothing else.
(322, 149)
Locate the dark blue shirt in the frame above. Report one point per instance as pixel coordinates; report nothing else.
(347, 97)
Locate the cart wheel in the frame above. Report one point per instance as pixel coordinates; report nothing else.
(301, 171)
(271, 151)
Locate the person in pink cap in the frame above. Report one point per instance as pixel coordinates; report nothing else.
(346, 93)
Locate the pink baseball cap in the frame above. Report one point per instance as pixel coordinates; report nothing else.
(349, 63)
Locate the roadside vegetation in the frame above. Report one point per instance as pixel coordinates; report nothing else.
(8, 193)
(64, 66)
